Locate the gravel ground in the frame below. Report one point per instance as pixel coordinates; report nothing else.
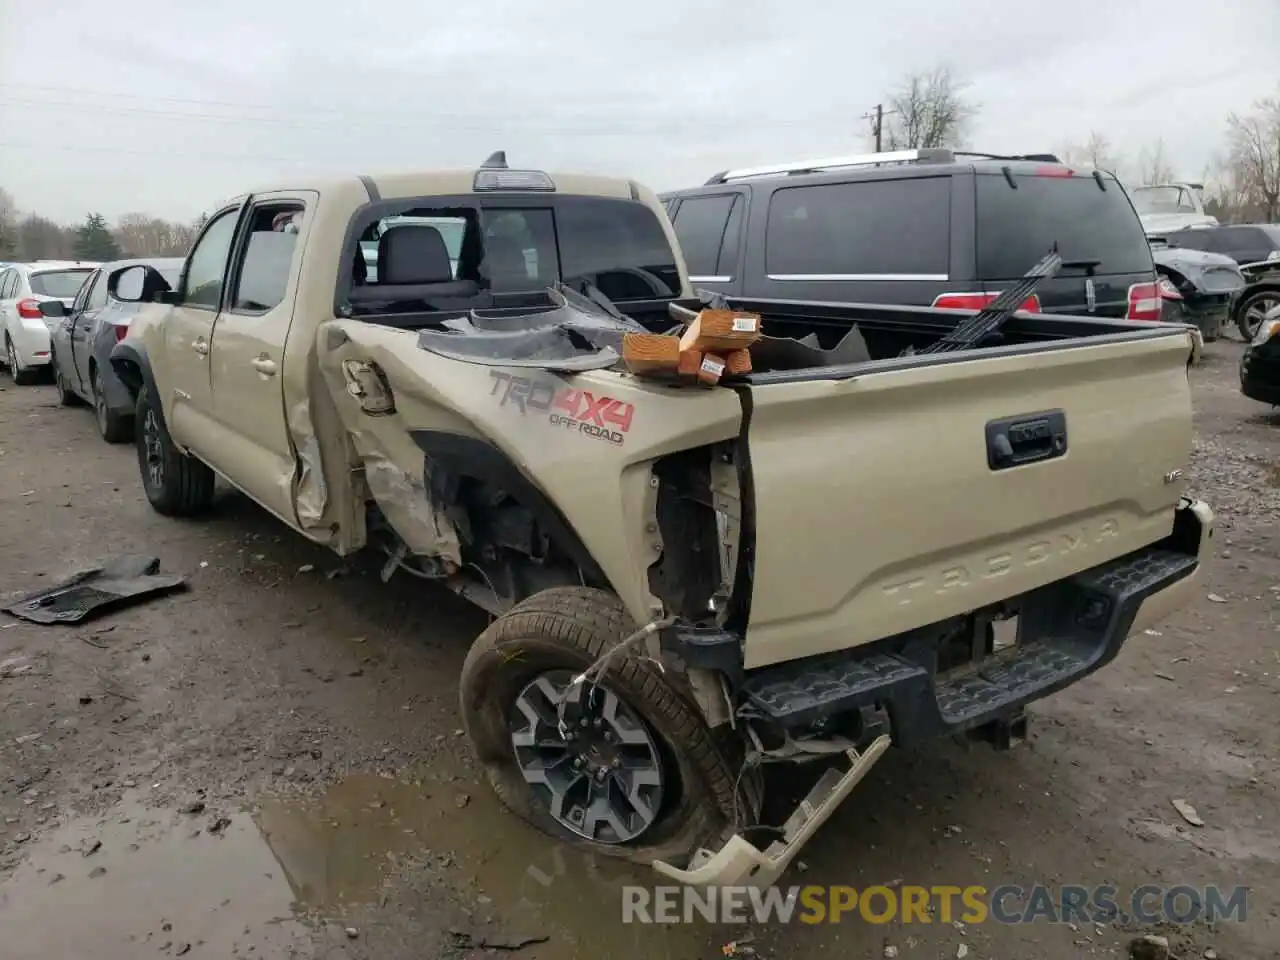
(270, 765)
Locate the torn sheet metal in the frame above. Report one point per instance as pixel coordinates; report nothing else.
(573, 333)
(124, 580)
(403, 501)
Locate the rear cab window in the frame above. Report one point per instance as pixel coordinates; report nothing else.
(63, 284)
(1018, 227)
(897, 229)
(449, 253)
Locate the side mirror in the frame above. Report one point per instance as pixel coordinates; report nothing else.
(53, 309)
(137, 284)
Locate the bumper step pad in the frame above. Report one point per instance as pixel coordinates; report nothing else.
(1068, 629)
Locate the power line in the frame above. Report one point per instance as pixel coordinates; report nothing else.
(77, 148)
(457, 120)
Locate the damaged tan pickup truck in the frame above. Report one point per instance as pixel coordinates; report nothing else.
(862, 541)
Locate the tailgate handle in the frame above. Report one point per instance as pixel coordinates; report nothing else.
(1028, 438)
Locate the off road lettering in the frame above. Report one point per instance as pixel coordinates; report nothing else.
(601, 411)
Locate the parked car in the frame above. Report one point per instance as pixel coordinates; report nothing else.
(1245, 243)
(1171, 206)
(1196, 287)
(1260, 365)
(83, 336)
(809, 561)
(929, 227)
(23, 287)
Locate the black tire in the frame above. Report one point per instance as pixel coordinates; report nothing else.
(66, 396)
(176, 485)
(570, 627)
(114, 427)
(1248, 330)
(23, 378)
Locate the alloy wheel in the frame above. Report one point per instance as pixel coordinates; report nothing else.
(154, 450)
(589, 757)
(1257, 312)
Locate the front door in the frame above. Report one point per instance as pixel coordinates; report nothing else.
(188, 331)
(248, 353)
(82, 325)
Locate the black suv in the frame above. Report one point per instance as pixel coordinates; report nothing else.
(928, 227)
(1243, 243)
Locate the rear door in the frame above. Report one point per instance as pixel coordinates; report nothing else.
(885, 239)
(248, 437)
(709, 228)
(1091, 222)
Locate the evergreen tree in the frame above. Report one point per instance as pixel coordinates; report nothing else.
(94, 240)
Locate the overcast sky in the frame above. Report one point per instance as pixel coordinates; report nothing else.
(168, 108)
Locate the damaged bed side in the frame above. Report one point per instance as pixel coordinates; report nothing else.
(443, 451)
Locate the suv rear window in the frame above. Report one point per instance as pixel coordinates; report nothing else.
(1016, 228)
(63, 284)
(866, 229)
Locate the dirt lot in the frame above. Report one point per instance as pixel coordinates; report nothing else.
(270, 765)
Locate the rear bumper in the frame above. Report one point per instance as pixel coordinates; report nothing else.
(1068, 630)
(33, 343)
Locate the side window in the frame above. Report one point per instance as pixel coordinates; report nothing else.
(82, 296)
(727, 265)
(98, 291)
(1191, 239)
(262, 272)
(867, 229)
(700, 228)
(207, 266)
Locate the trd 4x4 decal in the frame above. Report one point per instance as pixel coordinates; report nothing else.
(603, 418)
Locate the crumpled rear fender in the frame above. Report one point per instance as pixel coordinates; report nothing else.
(585, 442)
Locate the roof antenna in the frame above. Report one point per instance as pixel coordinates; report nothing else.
(497, 161)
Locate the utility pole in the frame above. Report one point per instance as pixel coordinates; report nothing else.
(876, 117)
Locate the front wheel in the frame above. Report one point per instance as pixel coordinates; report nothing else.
(627, 767)
(176, 485)
(1253, 309)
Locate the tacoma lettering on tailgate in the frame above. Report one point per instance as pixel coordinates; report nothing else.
(958, 576)
(580, 411)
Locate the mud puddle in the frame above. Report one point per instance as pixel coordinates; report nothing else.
(141, 880)
(371, 852)
(376, 842)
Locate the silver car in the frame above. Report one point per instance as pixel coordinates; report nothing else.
(24, 329)
(83, 336)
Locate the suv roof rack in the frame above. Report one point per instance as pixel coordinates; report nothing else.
(922, 155)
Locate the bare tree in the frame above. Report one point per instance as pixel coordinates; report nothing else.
(1254, 156)
(928, 110)
(1095, 152)
(39, 238)
(8, 218)
(142, 235)
(1153, 164)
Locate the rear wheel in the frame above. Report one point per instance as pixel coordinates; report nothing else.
(66, 396)
(176, 485)
(22, 376)
(113, 427)
(628, 768)
(1253, 309)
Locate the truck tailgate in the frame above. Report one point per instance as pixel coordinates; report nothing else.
(879, 505)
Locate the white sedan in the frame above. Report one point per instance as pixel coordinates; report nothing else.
(23, 328)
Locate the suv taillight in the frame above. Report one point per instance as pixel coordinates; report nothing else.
(1144, 301)
(976, 301)
(29, 309)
